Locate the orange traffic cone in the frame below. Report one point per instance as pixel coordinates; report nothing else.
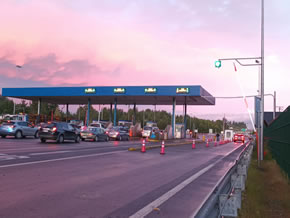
(162, 148)
(207, 143)
(143, 148)
(193, 144)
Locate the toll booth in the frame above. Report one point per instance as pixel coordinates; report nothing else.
(229, 134)
(179, 130)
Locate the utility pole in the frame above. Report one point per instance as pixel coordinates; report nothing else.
(261, 156)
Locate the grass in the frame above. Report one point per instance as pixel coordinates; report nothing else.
(267, 191)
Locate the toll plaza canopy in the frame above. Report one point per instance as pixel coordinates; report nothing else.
(138, 95)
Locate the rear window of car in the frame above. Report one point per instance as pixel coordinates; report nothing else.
(147, 128)
(48, 125)
(8, 123)
(92, 129)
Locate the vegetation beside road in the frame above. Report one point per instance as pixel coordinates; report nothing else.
(267, 190)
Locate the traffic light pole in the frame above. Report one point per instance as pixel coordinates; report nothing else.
(259, 61)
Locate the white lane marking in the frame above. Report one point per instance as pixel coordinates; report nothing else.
(60, 159)
(4, 157)
(51, 152)
(150, 207)
(156, 203)
(212, 190)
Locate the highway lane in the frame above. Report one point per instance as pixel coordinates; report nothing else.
(108, 182)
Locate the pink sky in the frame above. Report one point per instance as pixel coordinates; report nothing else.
(146, 42)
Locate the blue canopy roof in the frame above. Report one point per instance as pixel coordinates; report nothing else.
(140, 95)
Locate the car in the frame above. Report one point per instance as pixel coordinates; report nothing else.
(19, 129)
(239, 137)
(58, 131)
(94, 133)
(118, 133)
(97, 124)
(148, 131)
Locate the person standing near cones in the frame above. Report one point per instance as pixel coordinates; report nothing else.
(217, 137)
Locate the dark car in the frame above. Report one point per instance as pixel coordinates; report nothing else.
(58, 131)
(95, 134)
(118, 133)
(239, 137)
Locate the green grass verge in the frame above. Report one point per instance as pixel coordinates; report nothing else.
(267, 191)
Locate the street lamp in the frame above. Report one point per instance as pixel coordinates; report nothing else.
(261, 58)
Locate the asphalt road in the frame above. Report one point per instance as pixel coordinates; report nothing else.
(104, 179)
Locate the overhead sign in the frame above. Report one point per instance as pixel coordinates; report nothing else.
(182, 90)
(119, 90)
(90, 90)
(150, 90)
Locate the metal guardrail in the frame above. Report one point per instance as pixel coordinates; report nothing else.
(226, 197)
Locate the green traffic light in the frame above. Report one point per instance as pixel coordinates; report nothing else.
(218, 64)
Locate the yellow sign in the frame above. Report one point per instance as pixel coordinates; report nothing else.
(150, 90)
(182, 90)
(90, 90)
(119, 90)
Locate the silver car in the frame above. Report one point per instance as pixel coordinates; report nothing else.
(19, 129)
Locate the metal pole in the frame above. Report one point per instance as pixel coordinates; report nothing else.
(173, 117)
(66, 112)
(154, 111)
(99, 116)
(115, 112)
(111, 112)
(274, 111)
(134, 119)
(185, 114)
(88, 113)
(262, 84)
(14, 107)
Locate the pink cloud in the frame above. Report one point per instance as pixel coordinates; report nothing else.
(129, 43)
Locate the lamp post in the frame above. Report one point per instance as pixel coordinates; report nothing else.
(218, 64)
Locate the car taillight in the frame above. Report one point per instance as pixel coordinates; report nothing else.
(107, 132)
(90, 133)
(54, 129)
(12, 127)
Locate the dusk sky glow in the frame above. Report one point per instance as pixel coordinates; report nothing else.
(147, 42)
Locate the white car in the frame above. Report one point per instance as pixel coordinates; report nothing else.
(148, 130)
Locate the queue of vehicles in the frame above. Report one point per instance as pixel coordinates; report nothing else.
(19, 127)
(62, 131)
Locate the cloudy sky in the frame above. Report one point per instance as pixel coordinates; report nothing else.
(147, 42)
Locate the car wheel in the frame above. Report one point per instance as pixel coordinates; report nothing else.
(60, 139)
(96, 139)
(18, 134)
(78, 139)
(36, 135)
(43, 140)
(3, 136)
(83, 139)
